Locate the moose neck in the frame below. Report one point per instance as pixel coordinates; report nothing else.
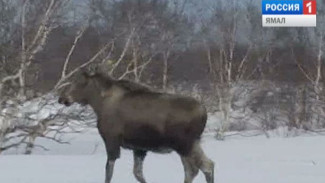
(94, 99)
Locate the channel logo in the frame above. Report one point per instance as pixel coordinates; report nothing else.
(309, 7)
(289, 13)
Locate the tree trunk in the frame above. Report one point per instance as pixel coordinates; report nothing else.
(165, 69)
(22, 69)
(30, 144)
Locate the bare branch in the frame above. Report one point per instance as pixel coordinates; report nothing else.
(302, 69)
(22, 141)
(240, 70)
(93, 59)
(8, 78)
(43, 23)
(125, 49)
(67, 60)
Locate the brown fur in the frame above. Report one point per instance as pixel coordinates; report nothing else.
(135, 117)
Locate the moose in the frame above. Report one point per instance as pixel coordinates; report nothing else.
(136, 117)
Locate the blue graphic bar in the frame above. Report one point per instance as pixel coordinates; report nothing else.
(282, 7)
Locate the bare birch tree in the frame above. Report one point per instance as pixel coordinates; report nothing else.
(33, 38)
(314, 69)
(36, 22)
(227, 70)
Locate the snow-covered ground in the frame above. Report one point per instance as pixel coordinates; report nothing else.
(238, 160)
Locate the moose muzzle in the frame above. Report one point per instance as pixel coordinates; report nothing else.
(65, 101)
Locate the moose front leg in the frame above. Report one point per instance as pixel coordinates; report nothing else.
(113, 153)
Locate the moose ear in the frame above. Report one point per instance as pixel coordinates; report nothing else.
(87, 73)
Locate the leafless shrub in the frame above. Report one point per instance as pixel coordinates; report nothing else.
(41, 117)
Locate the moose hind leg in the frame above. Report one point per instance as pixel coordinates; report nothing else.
(139, 156)
(203, 162)
(190, 169)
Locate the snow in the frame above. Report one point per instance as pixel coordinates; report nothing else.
(238, 159)
(44, 107)
(298, 158)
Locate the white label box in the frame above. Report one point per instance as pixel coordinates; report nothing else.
(289, 20)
